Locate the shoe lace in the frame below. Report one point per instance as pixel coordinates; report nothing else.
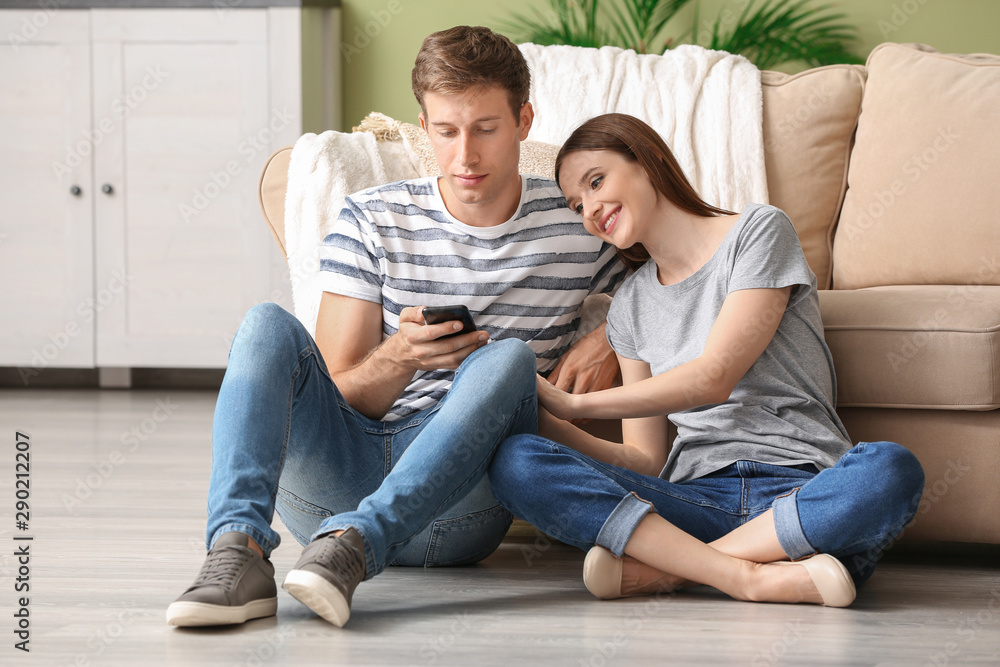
(221, 566)
(343, 558)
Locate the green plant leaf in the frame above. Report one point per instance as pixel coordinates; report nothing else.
(767, 32)
(568, 22)
(774, 32)
(637, 23)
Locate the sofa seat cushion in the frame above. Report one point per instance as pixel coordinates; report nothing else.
(923, 346)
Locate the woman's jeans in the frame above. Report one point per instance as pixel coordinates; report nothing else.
(852, 511)
(284, 438)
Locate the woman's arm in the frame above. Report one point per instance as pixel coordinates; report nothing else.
(644, 447)
(742, 331)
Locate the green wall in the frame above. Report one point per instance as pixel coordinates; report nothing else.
(381, 37)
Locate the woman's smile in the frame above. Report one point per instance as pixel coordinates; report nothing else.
(610, 220)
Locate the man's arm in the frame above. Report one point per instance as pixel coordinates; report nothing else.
(371, 374)
(590, 365)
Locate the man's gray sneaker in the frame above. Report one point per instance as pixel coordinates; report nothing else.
(327, 573)
(234, 585)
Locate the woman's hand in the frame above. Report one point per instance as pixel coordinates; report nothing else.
(555, 400)
(551, 427)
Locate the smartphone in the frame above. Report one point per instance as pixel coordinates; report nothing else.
(438, 314)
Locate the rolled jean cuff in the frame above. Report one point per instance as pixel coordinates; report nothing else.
(619, 526)
(788, 527)
(266, 545)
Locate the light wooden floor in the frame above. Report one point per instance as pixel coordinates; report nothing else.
(117, 523)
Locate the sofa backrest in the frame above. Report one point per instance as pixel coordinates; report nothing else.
(271, 194)
(907, 200)
(809, 123)
(921, 204)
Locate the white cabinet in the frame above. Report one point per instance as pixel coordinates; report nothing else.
(46, 232)
(132, 143)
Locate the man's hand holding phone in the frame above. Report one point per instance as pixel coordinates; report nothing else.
(442, 340)
(460, 314)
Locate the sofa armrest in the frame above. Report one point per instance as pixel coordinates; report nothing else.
(271, 194)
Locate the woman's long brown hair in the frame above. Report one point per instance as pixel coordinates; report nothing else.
(636, 141)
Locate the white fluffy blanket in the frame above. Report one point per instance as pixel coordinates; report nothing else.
(707, 105)
(323, 169)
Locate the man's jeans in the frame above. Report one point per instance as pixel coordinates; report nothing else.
(284, 438)
(852, 511)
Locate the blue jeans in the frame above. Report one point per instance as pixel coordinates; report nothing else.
(416, 489)
(852, 511)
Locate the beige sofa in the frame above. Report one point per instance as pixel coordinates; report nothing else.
(888, 172)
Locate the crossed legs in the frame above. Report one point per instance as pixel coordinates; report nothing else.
(704, 531)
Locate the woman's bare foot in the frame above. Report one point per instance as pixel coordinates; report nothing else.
(802, 581)
(609, 577)
(785, 581)
(641, 579)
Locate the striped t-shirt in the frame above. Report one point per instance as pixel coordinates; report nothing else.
(396, 244)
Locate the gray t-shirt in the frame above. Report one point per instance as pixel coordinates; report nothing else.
(782, 411)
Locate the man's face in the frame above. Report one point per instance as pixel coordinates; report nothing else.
(476, 140)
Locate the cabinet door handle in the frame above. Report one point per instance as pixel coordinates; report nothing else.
(75, 191)
(107, 189)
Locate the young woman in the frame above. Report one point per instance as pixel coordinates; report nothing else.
(719, 329)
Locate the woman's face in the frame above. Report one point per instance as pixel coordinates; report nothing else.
(613, 195)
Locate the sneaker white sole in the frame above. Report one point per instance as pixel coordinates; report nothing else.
(319, 595)
(186, 614)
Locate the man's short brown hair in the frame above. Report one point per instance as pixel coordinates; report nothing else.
(457, 59)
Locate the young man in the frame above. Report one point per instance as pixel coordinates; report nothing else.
(370, 444)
